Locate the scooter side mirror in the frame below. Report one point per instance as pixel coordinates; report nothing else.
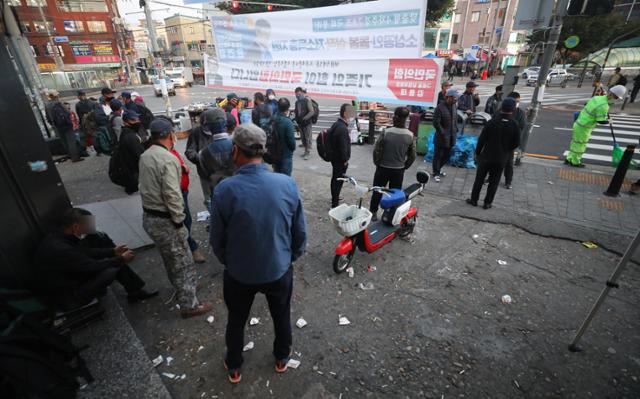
(422, 177)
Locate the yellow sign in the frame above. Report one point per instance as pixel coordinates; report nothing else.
(47, 67)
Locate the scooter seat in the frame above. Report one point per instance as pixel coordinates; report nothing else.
(393, 198)
(409, 191)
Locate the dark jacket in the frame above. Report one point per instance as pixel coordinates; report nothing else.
(468, 102)
(198, 141)
(445, 121)
(340, 142)
(491, 106)
(215, 160)
(286, 134)
(441, 97)
(59, 116)
(395, 149)
(260, 111)
(498, 139)
(519, 116)
(101, 118)
(63, 264)
(130, 148)
(304, 111)
(83, 107)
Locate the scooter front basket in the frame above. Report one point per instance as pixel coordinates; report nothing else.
(349, 220)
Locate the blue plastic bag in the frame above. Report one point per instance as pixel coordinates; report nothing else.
(245, 117)
(461, 154)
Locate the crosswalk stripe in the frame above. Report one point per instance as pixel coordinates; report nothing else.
(595, 157)
(601, 130)
(618, 139)
(605, 147)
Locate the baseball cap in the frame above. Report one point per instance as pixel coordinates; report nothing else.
(231, 95)
(106, 90)
(447, 84)
(126, 94)
(250, 137)
(214, 115)
(160, 127)
(115, 105)
(471, 83)
(508, 105)
(452, 93)
(130, 115)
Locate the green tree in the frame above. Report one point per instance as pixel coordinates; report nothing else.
(436, 9)
(594, 32)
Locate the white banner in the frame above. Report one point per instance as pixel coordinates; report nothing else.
(402, 81)
(371, 30)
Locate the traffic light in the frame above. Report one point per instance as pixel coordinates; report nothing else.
(235, 5)
(270, 7)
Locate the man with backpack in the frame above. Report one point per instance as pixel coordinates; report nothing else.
(491, 106)
(339, 150)
(60, 117)
(284, 134)
(199, 139)
(394, 152)
(306, 112)
(215, 162)
(146, 116)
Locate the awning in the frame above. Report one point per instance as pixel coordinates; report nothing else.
(470, 58)
(619, 57)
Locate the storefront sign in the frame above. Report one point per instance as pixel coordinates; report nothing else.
(444, 53)
(370, 30)
(94, 65)
(103, 49)
(402, 81)
(47, 67)
(92, 59)
(61, 39)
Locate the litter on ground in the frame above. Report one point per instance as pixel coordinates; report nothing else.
(343, 321)
(248, 346)
(301, 322)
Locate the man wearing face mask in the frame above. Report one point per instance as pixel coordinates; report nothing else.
(163, 216)
(595, 112)
(71, 274)
(199, 139)
(521, 120)
(257, 232)
(130, 149)
(272, 101)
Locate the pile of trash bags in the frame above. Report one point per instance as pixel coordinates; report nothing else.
(461, 154)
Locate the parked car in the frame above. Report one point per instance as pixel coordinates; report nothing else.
(555, 76)
(530, 71)
(171, 87)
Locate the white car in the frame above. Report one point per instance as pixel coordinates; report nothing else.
(530, 71)
(171, 87)
(554, 76)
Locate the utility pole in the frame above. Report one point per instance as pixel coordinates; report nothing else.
(157, 60)
(54, 46)
(538, 94)
(493, 31)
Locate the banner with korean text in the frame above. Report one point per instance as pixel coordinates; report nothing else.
(401, 81)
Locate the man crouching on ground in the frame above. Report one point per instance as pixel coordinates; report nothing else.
(257, 231)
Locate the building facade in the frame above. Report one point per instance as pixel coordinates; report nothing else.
(188, 38)
(76, 43)
(437, 39)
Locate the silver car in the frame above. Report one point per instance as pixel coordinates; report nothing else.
(171, 87)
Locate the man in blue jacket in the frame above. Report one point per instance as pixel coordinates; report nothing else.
(286, 137)
(257, 231)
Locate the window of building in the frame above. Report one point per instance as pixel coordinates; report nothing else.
(96, 26)
(475, 16)
(39, 26)
(443, 41)
(36, 3)
(454, 38)
(73, 26)
(82, 5)
(15, 3)
(430, 38)
(25, 26)
(457, 18)
(35, 50)
(48, 50)
(60, 50)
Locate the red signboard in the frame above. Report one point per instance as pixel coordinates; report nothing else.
(413, 79)
(95, 59)
(444, 53)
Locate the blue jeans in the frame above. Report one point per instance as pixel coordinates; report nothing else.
(285, 166)
(193, 245)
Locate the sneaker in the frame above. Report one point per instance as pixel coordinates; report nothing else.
(437, 178)
(487, 206)
(472, 202)
(233, 375)
(141, 295)
(508, 186)
(306, 156)
(204, 307)
(281, 365)
(374, 218)
(198, 257)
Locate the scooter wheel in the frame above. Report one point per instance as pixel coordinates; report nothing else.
(407, 228)
(342, 262)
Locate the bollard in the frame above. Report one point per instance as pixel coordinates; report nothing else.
(371, 138)
(621, 172)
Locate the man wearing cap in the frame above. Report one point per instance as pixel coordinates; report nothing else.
(469, 100)
(445, 122)
(215, 159)
(304, 113)
(595, 112)
(83, 106)
(163, 216)
(60, 117)
(199, 139)
(130, 148)
(498, 139)
(493, 101)
(257, 231)
(231, 106)
(146, 116)
(442, 93)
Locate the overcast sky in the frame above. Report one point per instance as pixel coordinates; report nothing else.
(129, 6)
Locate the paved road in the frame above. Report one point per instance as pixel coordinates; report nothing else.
(550, 139)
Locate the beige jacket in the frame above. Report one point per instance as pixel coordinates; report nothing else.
(159, 182)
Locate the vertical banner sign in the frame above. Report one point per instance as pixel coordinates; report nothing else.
(368, 51)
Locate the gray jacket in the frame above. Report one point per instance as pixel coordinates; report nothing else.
(395, 149)
(445, 121)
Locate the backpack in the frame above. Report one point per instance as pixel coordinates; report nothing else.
(316, 111)
(323, 144)
(623, 80)
(102, 142)
(117, 170)
(146, 116)
(61, 117)
(89, 124)
(274, 147)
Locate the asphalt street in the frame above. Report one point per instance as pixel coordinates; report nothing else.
(549, 140)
